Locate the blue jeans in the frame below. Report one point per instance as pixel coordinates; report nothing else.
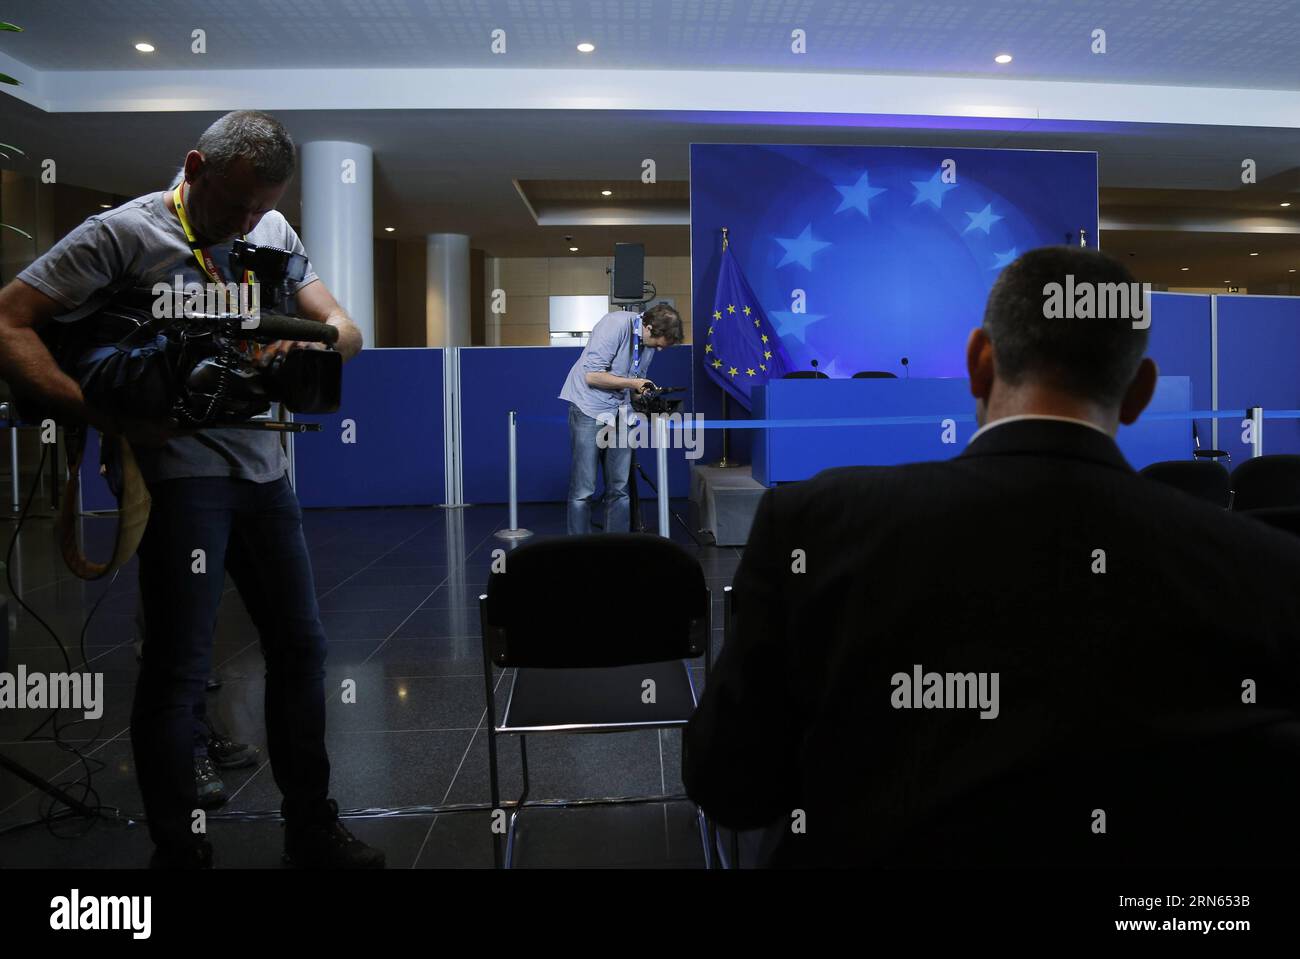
(253, 531)
(616, 463)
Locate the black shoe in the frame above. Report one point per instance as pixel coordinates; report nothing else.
(211, 790)
(227, 754)
(314, 838)
(213, 684)
(194, 856)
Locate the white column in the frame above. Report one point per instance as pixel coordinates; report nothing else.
(446, 303)
(338, 224)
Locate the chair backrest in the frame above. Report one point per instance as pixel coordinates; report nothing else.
(875, 375)
(1204, 479)
(805, 375)
(1267, 481)
(609, 599)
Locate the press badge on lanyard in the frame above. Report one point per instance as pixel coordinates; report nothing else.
(207, 264)
(636, 364)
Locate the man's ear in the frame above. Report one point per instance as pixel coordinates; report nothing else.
(979, 363)
(1139, 392)
(194, 164)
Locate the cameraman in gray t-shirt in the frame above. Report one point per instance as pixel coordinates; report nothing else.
(224, 491)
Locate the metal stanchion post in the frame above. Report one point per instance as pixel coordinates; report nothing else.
(661, 470)
(1257, 431)
(514, 532)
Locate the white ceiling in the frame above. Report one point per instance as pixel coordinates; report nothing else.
(1225, 43)
(125, 128)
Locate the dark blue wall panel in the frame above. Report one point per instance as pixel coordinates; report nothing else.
(1180, 345)
(394, 396)
(1259, 349)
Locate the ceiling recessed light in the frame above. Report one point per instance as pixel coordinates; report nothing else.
(573, 249)
(606, 192)
(1290, 271)
(144, 47)
(1284, 204)
(1184, 268)
(1002, 58)
(1254, 254)
(586, 47)
(389, 229)
(106, 206)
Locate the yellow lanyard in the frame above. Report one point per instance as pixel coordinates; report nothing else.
(200, 253)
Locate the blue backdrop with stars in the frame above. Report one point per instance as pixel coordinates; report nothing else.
(893, 261)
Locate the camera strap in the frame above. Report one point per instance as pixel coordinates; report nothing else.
(128, 487)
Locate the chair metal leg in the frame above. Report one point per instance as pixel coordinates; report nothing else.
(708, 838)
(495, 788)
(523, 798)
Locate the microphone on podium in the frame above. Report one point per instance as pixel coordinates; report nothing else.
(907, 374)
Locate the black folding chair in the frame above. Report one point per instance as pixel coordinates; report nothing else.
(585, 659)
(1204, 479)
(1267, 482)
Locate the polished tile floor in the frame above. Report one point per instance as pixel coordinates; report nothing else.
(398, 594)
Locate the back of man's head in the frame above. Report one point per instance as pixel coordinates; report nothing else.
(1094, 358)
(254, 136)
(664, 321)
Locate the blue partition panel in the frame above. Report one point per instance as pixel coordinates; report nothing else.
(528, 379)
(1259, 347)
(1153, 441)
(1180, 344)
(394, 398)
(783, 455)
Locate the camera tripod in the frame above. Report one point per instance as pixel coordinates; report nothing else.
(637, 521)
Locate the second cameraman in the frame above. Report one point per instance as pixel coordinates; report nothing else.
(612, 366)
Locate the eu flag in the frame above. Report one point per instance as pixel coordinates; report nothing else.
(742, 348)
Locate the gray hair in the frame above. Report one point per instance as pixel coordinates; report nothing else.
(257, 137)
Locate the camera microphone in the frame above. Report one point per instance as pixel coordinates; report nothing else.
(272, 327)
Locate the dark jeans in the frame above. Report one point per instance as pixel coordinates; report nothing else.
(203, 731)
(253, 531)
(587, 455)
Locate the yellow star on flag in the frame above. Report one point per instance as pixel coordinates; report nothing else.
(747, 311)
(750, 373)
(708, 347)
(767, 354)
(764, 337)
(731, 308)
(733, 371)
(717, 315)
(717, 363)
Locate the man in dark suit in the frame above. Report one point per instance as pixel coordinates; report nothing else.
(1025, 654)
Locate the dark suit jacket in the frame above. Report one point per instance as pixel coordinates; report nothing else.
(1119, 691)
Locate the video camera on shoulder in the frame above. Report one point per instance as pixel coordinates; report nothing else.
(201, 367)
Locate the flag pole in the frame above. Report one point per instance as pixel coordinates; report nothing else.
(726, 412)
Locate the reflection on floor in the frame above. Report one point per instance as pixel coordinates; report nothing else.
(398, 592)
